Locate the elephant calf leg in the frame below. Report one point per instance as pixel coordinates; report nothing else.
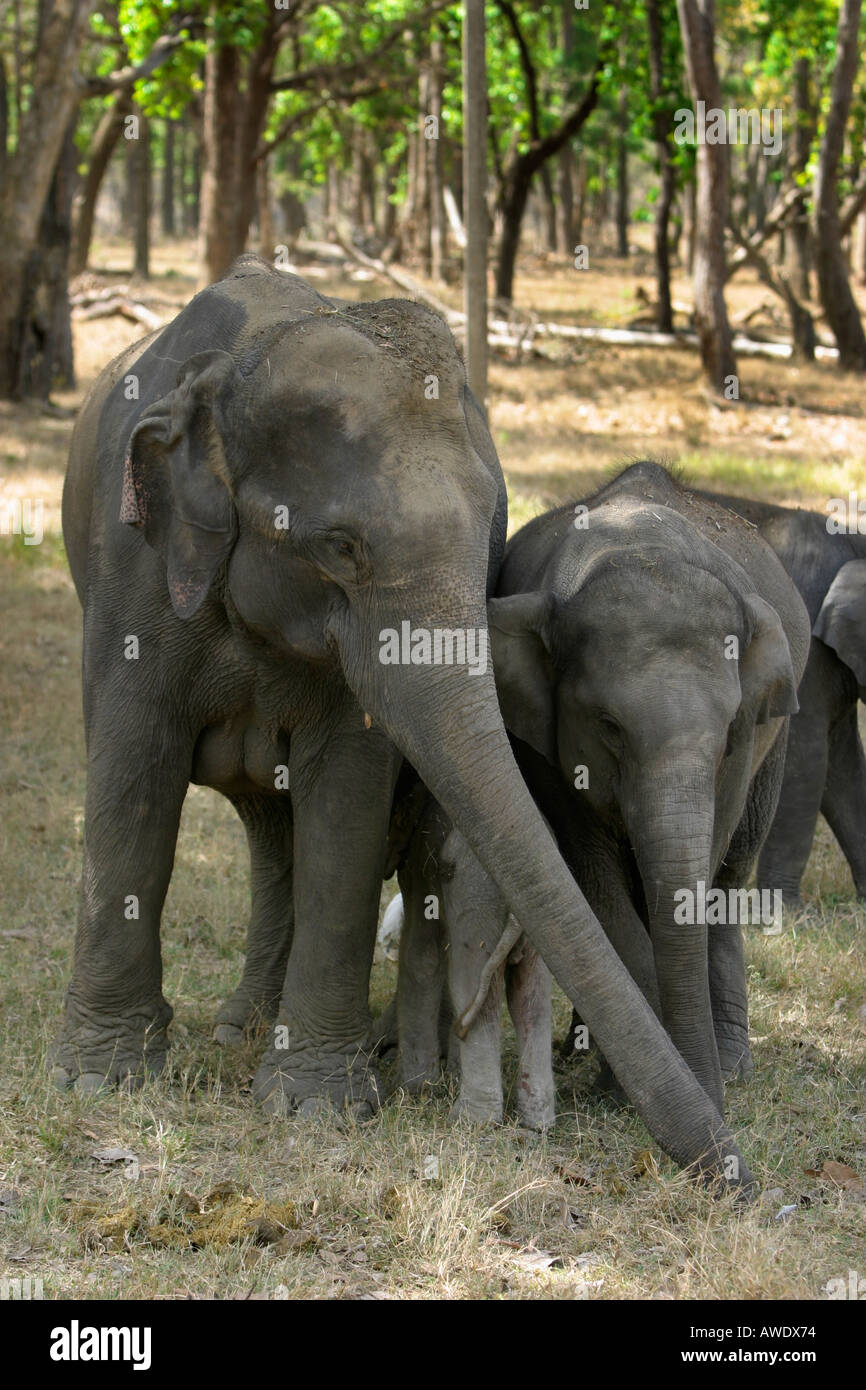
(483, 958)
(480, 1098)
(528, 990)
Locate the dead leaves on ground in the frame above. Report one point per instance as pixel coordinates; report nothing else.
(846, 1179)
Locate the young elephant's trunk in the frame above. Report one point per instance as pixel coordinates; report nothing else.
(672, 834)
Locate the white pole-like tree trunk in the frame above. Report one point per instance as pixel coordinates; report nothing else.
(475, 194)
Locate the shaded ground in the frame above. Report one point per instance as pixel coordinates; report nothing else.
(408, 1206)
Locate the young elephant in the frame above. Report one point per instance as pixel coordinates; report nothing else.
(647, 649)
(825, 768)
(479, 945)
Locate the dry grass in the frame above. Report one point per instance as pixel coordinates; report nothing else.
(408, 1206)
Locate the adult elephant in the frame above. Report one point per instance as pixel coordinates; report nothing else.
(825, 769)
(259, 496)
(647, 648)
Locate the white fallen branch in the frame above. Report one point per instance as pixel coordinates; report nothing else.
(102, 309)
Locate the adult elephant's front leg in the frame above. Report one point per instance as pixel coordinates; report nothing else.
(115, 1018)
(342, 778)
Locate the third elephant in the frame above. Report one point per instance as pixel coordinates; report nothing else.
(825, 769)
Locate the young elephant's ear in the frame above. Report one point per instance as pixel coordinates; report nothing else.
(175, 479)
(841, 623)
(769, 686)
(519, 626)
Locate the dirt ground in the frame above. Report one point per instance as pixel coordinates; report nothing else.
(185, 1189)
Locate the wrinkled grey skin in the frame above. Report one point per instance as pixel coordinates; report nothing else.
(609, 649)
(454, 917)
(259, 647)
(825, 769)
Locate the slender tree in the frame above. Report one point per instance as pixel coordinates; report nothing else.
(834, 288)
(475, 193)
(697, 23)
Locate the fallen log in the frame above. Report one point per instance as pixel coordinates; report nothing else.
(136, 313)
(504, 334)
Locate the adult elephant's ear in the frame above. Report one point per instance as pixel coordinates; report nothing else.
(769, 686)
(520, 626)
(841, 623)
(175, 479)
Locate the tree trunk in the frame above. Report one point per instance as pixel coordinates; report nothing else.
(834, 289)
(422, 204)
(253, 115)
(690, 222)
(368, 188)
(580, 201)
(622, 175)
(220, 126)
(517, 181)
(43, 128)
(267, 240)
(192, 185)
(565, 202)
(667, 176)
(389, 207)
(548, 207)
(860, 249)
(475, 195)
(697, 22)
(140, 166)
(45, 358)
(168, 225)
(599, 201)
(102, 146)
(434, 152)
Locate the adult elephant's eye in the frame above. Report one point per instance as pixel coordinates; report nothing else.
(338, 556)
(610, 731)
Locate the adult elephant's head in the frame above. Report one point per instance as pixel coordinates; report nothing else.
(341, 478)
(654, 678)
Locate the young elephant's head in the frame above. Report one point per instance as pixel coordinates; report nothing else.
(645, 653)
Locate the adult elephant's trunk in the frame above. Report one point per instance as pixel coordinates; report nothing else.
(671, 823)
(446, 721)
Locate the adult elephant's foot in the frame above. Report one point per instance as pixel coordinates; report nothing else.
(244, 1014)
(97, 1049)
(310, 1078)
